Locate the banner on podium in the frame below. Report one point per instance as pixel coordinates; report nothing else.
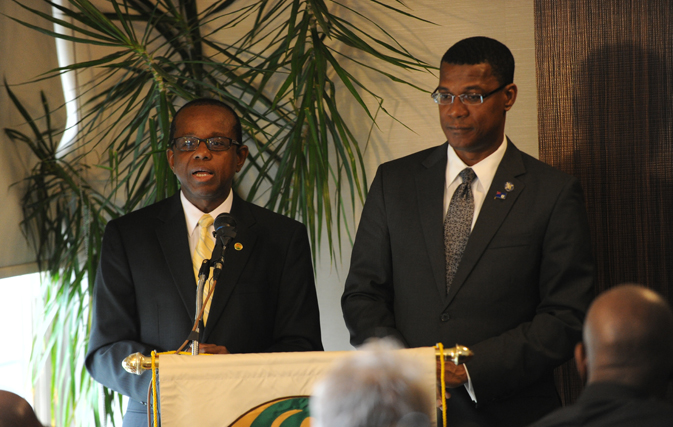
(252, 390)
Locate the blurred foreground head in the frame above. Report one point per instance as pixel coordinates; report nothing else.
(375, 387)
(628, 339)
(16, 412)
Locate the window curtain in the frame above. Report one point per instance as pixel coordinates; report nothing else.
(604, 72)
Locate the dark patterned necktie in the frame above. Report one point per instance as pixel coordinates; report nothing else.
(458, 224)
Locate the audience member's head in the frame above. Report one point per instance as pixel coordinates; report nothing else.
(628, 339)
(375, 387)
(16, 412)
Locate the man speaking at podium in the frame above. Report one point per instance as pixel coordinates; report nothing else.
(145, 290)
(476, 243)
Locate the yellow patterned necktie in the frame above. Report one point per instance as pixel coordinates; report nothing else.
(204, 250)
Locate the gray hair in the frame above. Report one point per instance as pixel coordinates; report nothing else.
(375, 387)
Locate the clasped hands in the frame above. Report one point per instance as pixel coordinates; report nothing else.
(454, 376)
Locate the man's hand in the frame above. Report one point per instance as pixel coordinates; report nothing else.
(438, 397)
(212, 349)
(454, 375)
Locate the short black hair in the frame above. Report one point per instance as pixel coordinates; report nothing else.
(238, 131)
(480, 50)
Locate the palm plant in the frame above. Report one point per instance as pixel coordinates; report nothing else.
(285, 75)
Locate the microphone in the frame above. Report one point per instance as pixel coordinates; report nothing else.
(225, 231)
(225, 228)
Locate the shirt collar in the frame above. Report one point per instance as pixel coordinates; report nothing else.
(485, 169)
(194, 214)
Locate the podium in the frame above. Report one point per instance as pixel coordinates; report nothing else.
(257, 390)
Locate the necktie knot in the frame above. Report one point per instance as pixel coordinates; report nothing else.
(467, 175)
(207, 220)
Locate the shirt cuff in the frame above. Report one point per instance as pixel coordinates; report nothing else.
(468, 385)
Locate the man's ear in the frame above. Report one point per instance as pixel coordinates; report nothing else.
(581, 362)
(510, 93)
(241, 155)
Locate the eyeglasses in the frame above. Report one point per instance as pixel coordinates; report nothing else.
(216, 143)
(466, 98)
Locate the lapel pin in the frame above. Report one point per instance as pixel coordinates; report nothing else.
(500, 195)
(238, 246)
(509, 186)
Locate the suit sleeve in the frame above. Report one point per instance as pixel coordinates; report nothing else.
(115, 326)
(522, 355)
(297, 321)
(367, 301)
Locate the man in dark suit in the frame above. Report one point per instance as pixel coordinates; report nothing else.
(513, 285)
(627, 358)
(145, 292)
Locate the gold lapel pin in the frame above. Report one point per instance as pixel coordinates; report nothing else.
(509, 186)
(238, 246)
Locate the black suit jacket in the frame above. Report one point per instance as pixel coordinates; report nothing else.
(145, 292)
(611, 405)
(520, 293)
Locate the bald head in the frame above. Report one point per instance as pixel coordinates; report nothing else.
(16, 412)
(628, 338)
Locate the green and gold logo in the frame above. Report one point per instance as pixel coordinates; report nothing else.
(284, 412)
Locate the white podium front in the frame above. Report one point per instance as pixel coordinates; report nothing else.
(253, 390)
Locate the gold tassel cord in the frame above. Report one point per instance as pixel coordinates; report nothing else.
(442, 380)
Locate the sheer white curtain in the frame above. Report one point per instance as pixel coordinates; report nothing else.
(66, 54)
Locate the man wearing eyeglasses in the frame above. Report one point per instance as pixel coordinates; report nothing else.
(476, 243)
(145, 291)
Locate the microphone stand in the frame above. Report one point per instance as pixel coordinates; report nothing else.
(204, 272)
(225, 231)
(216, 261)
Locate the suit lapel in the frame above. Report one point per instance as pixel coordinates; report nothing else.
(493, 213)
(234, 260)
(430, 189)
(173, 239)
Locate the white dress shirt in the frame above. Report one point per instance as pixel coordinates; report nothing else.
(194, 214)
(485, 171)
